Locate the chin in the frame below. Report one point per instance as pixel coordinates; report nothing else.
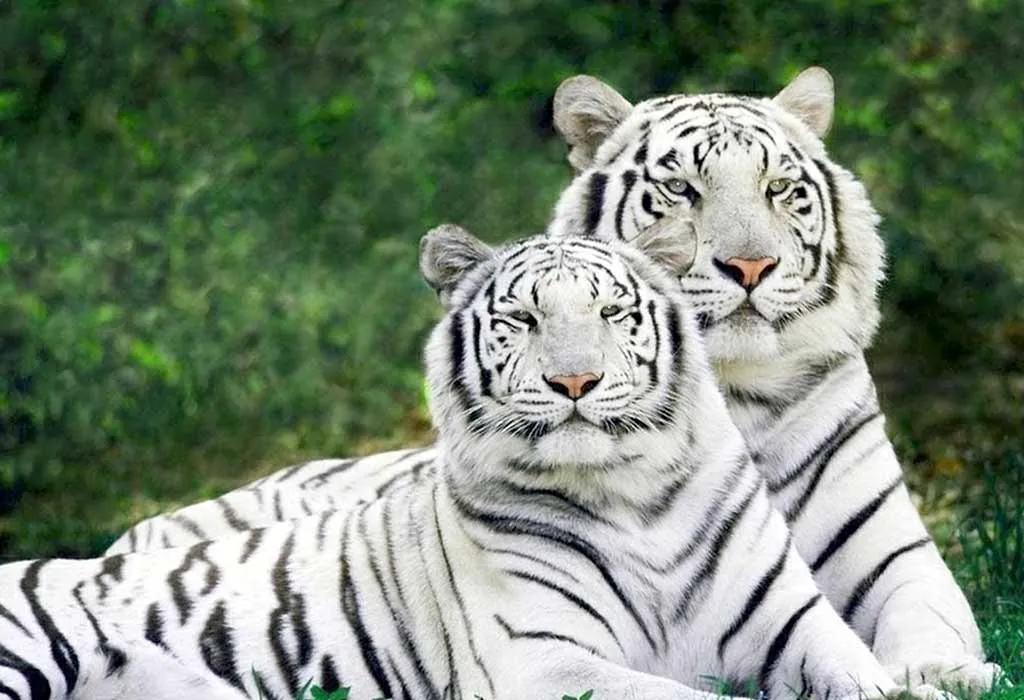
(576, 444)
(742, 338)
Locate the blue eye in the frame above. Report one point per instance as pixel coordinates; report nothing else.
(779, 185)
(677, 185)
(610, 310)
(523, 316)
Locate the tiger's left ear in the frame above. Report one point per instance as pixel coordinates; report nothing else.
(810, 97)
(447, 253)
(670, 243)
(586, 112)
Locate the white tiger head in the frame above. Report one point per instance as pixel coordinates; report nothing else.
(789, 258)
(558, 353)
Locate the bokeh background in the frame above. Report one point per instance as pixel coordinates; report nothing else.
(209, 212)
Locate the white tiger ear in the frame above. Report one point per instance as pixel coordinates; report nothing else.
(586, 111)
(447, 253)
(670, 243)
(810, 97)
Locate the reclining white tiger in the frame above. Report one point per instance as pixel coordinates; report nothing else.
(594, 521)
(785, 285)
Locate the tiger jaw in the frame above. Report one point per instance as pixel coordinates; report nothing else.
(576, 441)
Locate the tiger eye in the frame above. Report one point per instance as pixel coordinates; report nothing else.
(779, 185)
(610, 310)
(523, 316)
(676, 185)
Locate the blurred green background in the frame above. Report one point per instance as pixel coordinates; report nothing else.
(209, 213)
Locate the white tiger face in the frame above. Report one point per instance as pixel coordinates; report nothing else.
(788, 257)
(554, 351)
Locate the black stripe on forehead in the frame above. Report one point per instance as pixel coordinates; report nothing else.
(595, 202)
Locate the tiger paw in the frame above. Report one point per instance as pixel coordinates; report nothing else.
(963, 678)
(920, 692)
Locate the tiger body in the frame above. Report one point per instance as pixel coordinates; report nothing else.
(612, 533)
(784, 287)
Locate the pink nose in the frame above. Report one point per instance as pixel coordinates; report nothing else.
(573, 385)
(745, 272)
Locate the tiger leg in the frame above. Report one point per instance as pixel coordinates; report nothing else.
(909, 648)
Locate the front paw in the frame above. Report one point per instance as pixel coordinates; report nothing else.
(966, 677)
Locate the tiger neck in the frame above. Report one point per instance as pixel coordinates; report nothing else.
(765, 399)
(652, 463)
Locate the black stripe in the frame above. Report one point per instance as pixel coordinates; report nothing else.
(478, 359)
(571, 597)
(756, 597)
(252, 543)
(823, 455)
(217, 646)
(322, 477)
(9, 616)
(657, 507)
(350, 607)
(853, 524)
(628, 180)
(458, 594)
(397, 613)
(718, 546)
(288, 616)
(862, 588)
(329, 680)
(176, 580)
(61, 650)
(186, 524)
(434, 598)
(470, 409)
(231, 516)
(516, 525)
(544, 635)
(116, 658)
(778, 644)
(111, 566)
(155, 626)
(38, 685)
(595, 202)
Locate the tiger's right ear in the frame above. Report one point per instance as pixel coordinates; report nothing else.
(586, 111)
(447, 253)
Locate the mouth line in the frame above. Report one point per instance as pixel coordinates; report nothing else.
(746, 311)
(577, 418)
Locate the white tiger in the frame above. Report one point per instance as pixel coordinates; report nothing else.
(785, 290)
(594, 521)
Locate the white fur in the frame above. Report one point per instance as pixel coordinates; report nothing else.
(915, 616)
(495, 578)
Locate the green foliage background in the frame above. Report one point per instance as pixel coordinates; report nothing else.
(209, 213)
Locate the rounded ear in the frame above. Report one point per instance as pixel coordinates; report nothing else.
(586, 111)
(447, 253)
(671, 243)
(810, 97)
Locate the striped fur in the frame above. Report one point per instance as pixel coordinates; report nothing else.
(619, 539)
(751, 178)
(789, 354)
